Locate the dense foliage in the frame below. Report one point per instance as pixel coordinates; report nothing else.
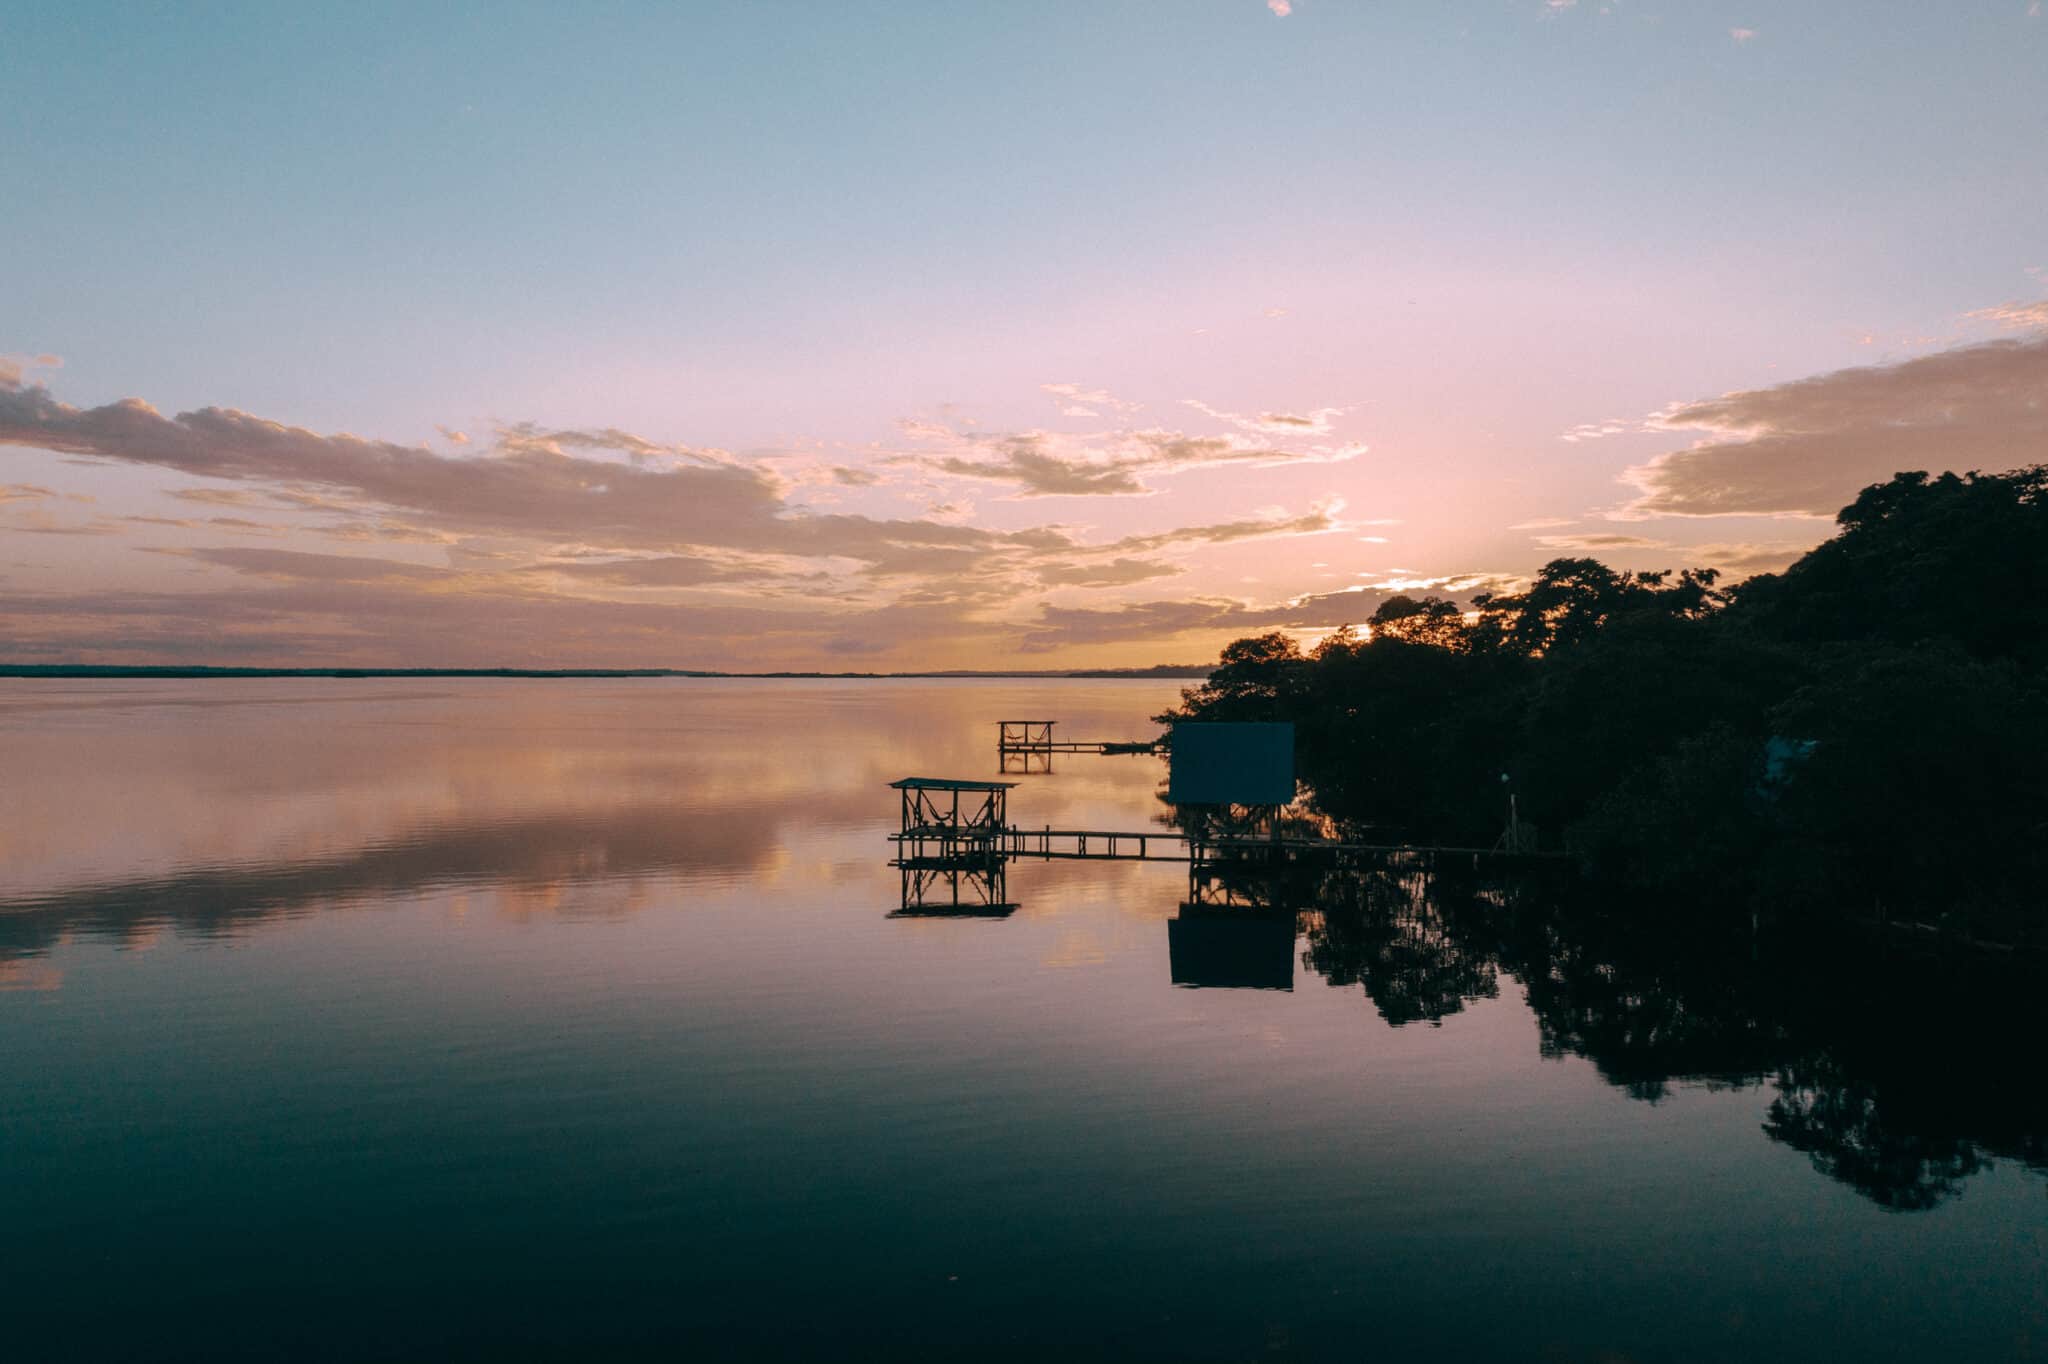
(1865, 732)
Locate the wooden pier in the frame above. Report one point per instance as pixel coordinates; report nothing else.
(1098, 845)
(956, 843)
(950, 824)
(1027, 746)
(1166, 845)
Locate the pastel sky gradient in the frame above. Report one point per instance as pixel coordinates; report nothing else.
(891, 335)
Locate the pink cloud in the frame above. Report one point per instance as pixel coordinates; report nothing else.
(2016, 315)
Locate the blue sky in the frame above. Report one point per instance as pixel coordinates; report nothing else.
(786, 230)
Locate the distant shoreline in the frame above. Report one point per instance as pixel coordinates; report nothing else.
(70, 671)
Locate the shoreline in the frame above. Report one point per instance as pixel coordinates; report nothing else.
(69, 671)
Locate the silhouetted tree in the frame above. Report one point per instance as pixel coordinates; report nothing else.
(1958, 557)
(1429, 620)
(1926, 790)
(1622, 700)
(1868, 729)
(1257, 678)
(1572, 599)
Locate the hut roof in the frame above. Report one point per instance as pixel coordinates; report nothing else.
(948, 784)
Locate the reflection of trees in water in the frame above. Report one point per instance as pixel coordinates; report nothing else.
(1387, 931)
(1643, 1018)
(1891, 1073)
(1839, 1121)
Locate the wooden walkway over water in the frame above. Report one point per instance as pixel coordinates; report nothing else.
(956, 841)
(1162, 845)
(952, 823)
(932, 847)
(1027, 746)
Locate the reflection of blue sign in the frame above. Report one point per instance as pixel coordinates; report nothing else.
(1231, 764)
(1232, 951)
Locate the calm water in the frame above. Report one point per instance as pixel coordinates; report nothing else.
(555, 1019)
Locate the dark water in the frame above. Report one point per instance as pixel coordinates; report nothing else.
(569, 1019)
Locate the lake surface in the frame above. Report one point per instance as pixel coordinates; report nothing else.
(560, 1019)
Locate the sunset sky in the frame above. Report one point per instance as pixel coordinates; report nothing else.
(867, 336)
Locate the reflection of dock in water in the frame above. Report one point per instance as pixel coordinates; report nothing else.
(1231, 781)
(955, 846)
(970, 892)
(1236, 929)
(956, 842)
(949, 849)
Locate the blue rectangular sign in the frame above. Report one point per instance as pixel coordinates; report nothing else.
(1231, 764)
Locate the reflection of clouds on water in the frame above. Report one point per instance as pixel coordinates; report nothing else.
(29, 974)
(526, 865)
(130, 809)
(1076, 947)
(1137, 891)
(137, 824)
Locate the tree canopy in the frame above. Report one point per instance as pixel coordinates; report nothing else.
(1866, 731)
